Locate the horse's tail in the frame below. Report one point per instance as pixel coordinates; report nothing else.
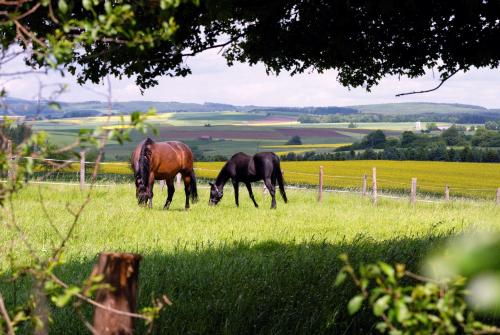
(279, 177)
(143, 171)
(194, 189)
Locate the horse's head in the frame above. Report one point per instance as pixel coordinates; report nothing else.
(215, 194)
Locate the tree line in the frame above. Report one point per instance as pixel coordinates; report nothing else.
(460, 118)
(453, 144)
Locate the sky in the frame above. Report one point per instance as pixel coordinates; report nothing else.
(213, 81)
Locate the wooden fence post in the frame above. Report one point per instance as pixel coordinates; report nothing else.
(363, 190)
(446, 193)
(374, 185)
(498, 196)
(413, 192)
(82, 169)
(121, 272)
(320, 190)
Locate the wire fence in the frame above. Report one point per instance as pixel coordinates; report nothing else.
(109, 173)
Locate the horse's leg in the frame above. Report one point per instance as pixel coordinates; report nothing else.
(272, 191)
(236, 186)
(249, 188)
(187, 188)
(151, 184)
(171, 191)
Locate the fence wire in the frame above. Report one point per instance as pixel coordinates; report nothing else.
(109, 173)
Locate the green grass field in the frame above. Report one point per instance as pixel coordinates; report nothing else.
(239, 270)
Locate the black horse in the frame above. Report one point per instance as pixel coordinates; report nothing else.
(242, 168)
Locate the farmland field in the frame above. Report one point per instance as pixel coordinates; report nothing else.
(240, 270)
(217, 133)
(226, 132)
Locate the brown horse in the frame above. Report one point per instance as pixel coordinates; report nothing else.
(162, 161)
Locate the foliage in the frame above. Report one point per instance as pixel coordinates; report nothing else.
(374, 140)
(459, 118)
(369, 40)
(492, 125)
(453, 136)
(412, 146)
(295, 140)
(70, 32)
(424, 307)
(431, 126)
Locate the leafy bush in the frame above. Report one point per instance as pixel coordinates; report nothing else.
(407, 303)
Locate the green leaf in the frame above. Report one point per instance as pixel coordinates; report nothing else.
(387, 269)
(64, 298)
(355, 304)
(340, 278)
(63, 6)
(381, 305)
(343, 257)
(402, 312)
(87, 4)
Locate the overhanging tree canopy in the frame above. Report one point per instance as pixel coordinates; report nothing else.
(363, 40)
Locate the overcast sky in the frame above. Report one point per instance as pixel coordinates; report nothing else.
(213, 81)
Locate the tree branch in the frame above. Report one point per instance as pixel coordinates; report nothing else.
(432, 89)
(5, 316)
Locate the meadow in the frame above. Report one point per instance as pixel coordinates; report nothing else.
(240, 270)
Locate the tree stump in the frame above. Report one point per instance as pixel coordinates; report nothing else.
(121, 273)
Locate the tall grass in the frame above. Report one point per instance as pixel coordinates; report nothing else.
(239, 270)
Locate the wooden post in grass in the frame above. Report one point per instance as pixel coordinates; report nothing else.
(82, 169)
(320, 190)
(446, 193)
(374, 185)
(120, 271)
(413, 192)
(363, 190)
(498, 196)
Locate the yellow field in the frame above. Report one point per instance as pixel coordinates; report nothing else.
(463, 179)
(284, 153)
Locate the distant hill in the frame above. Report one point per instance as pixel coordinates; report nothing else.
(410, 111)
(419, 108)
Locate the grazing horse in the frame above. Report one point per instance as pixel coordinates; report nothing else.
(162, 161)
(242, 168)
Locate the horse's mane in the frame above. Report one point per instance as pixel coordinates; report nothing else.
(223, 175)
(144, 165)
